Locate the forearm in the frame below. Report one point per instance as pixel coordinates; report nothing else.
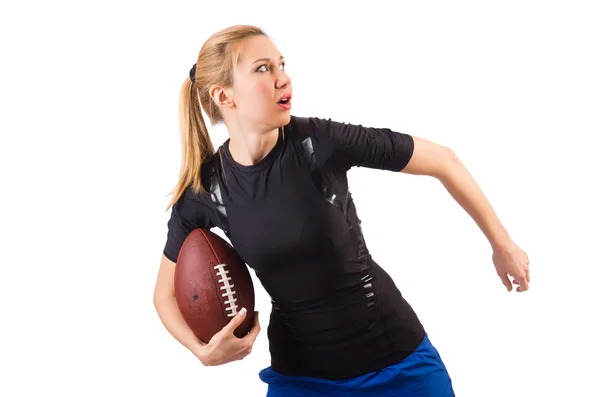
(463, 188)
(171, 317)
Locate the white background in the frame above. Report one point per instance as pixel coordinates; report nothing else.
(90, 148)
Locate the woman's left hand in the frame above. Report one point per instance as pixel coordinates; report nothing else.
(511, 260)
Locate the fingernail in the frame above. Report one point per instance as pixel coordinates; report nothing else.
(243, 311)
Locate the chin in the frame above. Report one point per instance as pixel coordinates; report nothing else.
(284, 118)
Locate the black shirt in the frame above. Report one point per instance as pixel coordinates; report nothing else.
(335, 312)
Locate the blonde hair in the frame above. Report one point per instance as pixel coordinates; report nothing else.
(215, 66)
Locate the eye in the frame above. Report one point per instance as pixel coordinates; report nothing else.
(264, 67)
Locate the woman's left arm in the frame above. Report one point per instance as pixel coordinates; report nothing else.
(438, 161)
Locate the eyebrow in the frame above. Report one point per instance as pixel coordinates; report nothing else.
(265, 59)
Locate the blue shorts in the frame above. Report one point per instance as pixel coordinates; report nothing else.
(421, 374)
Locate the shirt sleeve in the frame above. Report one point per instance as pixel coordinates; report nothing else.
(347, 145)
(188, 213)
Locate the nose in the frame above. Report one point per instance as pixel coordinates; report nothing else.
(282, 79)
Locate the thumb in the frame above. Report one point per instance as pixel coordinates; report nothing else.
(237, 320)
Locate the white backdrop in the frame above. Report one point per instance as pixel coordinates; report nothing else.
(90, 149)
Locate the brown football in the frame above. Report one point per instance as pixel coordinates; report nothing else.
(212, 284)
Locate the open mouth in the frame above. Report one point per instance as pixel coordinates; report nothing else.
(285, 102)
(285, 99)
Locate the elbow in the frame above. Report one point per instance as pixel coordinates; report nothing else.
(155, 301)
(450, 156)
(160, 297)
(157, 298)
(449, 161)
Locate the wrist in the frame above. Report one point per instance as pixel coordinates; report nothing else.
(500, 242)
(200, 351)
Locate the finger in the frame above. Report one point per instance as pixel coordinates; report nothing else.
(523, 285)
(255, 324)
(521, 280)
(236, 321)
(505, 281)
(237, 357)
(243, 351)
(255, 328)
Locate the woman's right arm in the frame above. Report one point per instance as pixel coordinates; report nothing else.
(168, 311)
(222, 348)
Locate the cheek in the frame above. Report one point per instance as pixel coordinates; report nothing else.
(263, 90)
(256, 94)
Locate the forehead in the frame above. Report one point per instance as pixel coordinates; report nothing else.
(256, 47)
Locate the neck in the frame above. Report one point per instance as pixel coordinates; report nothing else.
(248, 145)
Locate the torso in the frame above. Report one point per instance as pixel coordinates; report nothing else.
(336, 313)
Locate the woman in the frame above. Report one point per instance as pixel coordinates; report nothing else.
(277, 187)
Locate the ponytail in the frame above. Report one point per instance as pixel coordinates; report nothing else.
(196, 145)
(215, 65)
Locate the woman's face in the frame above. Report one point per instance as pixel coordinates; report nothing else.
(260, 83)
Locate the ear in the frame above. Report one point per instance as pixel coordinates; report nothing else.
(222, 96)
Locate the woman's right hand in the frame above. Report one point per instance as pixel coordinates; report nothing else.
(225, 347)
